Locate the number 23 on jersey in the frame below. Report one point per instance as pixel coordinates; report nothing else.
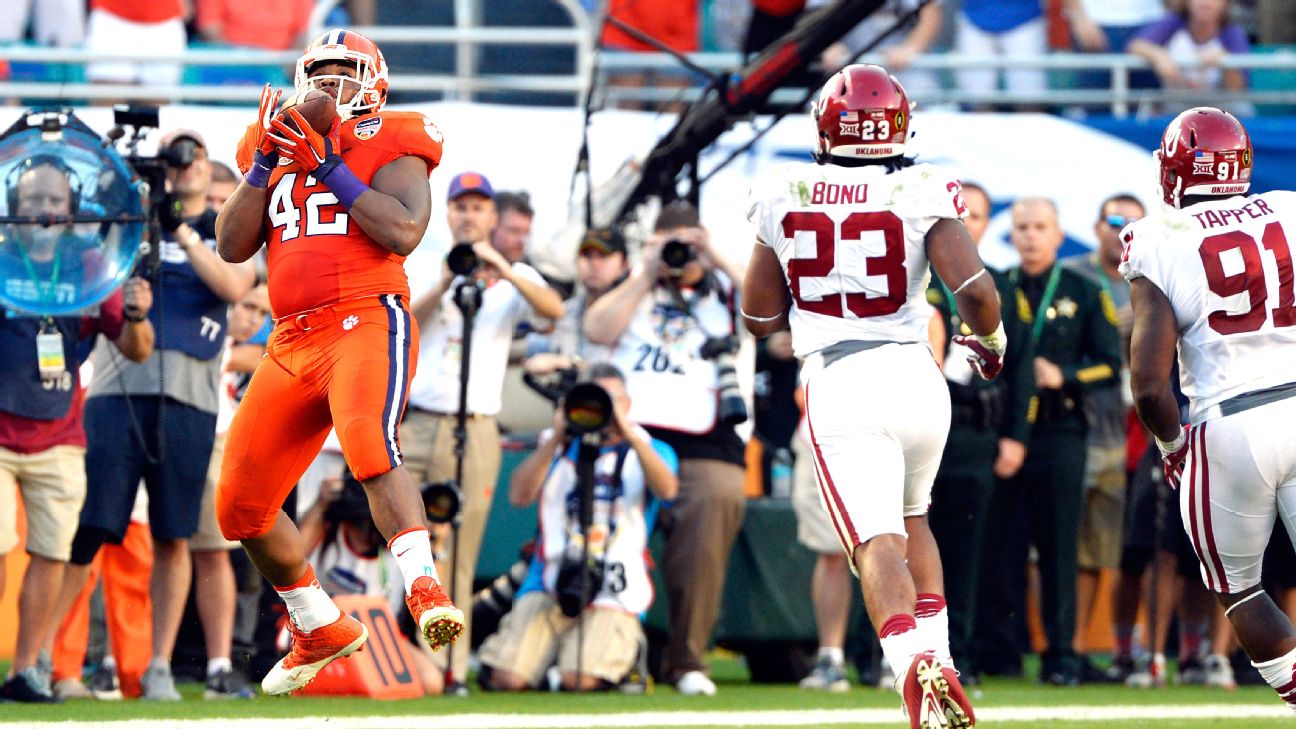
(313, 217)
(860, 228)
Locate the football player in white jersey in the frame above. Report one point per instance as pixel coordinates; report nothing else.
(1212, 273)
(842, 260)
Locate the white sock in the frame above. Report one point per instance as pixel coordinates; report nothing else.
(1279, 673)
(216, 665)
(309, 607)
(932, 617)
(901, 641)
(834, 655)
(412, 549)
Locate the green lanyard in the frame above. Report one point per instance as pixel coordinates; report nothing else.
(1049, 290)
(1103, 281)
(31, 271)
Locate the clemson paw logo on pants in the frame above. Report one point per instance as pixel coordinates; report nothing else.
(350, 322)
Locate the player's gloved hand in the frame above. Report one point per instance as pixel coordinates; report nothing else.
(266, 155)
(987, 352)
(317, 154)
(1173, 454)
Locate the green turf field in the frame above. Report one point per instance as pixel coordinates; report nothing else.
(1009, 701)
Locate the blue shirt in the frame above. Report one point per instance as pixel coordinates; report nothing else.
(1000, 16)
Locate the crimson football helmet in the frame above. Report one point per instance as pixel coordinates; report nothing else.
(862, 113)
(346, 46)
(1204, 151)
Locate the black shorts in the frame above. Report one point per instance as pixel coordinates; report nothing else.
(177, 444)
(1150, 501)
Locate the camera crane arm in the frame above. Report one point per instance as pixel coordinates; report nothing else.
(738, 94)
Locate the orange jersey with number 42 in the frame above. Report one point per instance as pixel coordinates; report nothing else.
(317, 254)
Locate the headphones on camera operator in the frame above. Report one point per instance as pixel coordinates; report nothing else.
(36, 161)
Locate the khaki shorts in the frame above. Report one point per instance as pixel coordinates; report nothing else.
(208, 538)
(535, 633)
(1103, 519)
(53, 486)
(814, 530)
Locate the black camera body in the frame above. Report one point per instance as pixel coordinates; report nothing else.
(676, 254)
(732, 409)
(587, 408)
(462, 260)
(578, 581)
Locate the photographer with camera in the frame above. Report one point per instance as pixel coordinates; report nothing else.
(505, 294)
(156, 419)
(672, 324)
(42, 442)
(600, 265)
(632, 474)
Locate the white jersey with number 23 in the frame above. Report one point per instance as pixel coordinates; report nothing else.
(851, 241)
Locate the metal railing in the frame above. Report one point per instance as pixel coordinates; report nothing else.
(1120, 98)
(470, 40)
(468, 37)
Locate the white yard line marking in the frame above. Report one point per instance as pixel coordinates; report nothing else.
(813, 717)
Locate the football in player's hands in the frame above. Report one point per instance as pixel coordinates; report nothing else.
(316, 107)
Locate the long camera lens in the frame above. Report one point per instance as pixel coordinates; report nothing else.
(675, 254)
(732, 408)
(587, 408)
(463, 260)
(441, 501)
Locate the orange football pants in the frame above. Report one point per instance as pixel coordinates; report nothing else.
(346, 366)
(125, 568)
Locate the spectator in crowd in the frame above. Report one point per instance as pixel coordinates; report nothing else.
(57, 23)
(145, 27)
(223, 182)
(1106, 27)
(671, 322)
(514, 229)
(1106, 408)
(898, 50)
(633, 473)
(347, 550)
(770, 19)
(42, 442)
(156, 420)
(275, 26)
(1004, 28)
(673, 23)
(965, 482)
(510, 293)
(1071, 347)
(1194, 31)
(216, 595)
(600, 264)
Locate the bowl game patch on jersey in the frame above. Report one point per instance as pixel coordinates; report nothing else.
(365, 129)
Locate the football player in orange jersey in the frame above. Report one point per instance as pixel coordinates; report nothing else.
(338, 213)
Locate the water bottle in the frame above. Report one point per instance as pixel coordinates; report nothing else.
(781, 474)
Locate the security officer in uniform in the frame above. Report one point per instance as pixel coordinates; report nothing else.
(1070, 346)
(965, 482)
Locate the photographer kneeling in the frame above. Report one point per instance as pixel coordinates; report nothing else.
(672, 323)
(632, 474)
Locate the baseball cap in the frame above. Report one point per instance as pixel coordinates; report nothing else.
(175, 134)
(606, 240)
(466, 182)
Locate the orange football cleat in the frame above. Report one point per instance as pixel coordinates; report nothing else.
(438, 619)
(933, 697)
(312, 651)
